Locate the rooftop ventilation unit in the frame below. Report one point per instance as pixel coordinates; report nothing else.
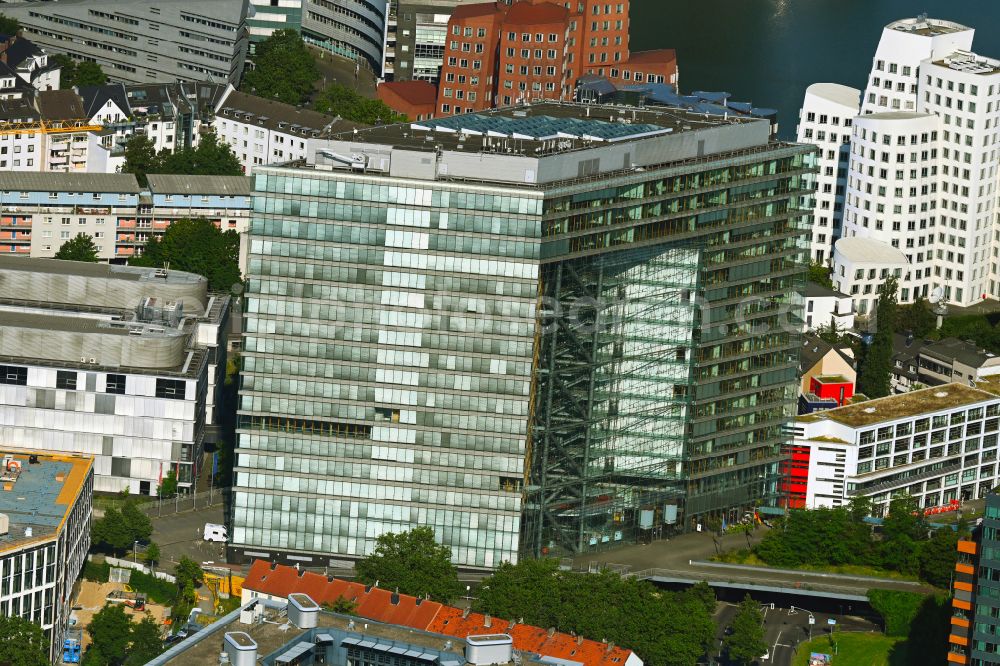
(489, 649)
(242, 649)
(302, 611)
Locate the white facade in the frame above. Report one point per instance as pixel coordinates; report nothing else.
(828, 111)
(824, 308)
(922, 175)
(860, 266)
(937, 444)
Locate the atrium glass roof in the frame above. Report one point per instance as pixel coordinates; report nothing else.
(540, 128)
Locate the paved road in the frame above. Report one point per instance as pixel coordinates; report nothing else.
(784, 630)
(180, 534)
(673, 559)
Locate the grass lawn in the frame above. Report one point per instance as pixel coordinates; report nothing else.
(854, 649)
(743, 556)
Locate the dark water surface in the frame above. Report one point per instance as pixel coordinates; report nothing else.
(768, 51)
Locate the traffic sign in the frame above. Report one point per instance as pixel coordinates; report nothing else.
(831, 622)
(812, 620)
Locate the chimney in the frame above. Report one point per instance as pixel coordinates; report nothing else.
(552, 632)
(611, 646)
(465, 613)
(909, 338)
(579, 639)
(488, 622)
(394, 599)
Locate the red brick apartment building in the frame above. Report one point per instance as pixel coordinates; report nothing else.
(499, 54)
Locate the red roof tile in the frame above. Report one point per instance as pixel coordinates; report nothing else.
(377, 604)
(412, 92)
(526, 13)
(474, 10)
(654, 57)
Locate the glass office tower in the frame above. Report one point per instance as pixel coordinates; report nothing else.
(537, 330)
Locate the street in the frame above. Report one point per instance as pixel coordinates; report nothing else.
(179, 534)
(785, 629)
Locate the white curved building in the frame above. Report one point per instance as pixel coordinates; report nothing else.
(828, 111)
(921, 173)
(861, 265)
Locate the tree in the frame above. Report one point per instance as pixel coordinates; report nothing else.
(139, 525)
(341, 101)
(152, 554)
(80, 248)
(937, 557)
(8, 25)
(146, 643)
(210, 158)
(414, 563)
(188, 572)
(902, 530)
(342, 605)
(917, 318)
(819, 274)
(704, 593)
(196, 246)
(168, 485)
(89, 73)
(746, 642)
(140, 158)
(22, 643)
(874, 378)
(284, 69)
(110, 636)
(110, 532)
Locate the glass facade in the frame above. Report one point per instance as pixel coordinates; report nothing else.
(529, 371)
(387, 365)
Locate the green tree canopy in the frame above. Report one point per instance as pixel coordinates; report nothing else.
(79, 248)
(283, 69)
(938, 556)
(340, 100)
(110, 532)
(8, 25)
(152, 553)
(196, 246)
(140, 158)
(78, 73)
(745, 644)
(875, 371)
(210, 158)
(918, 318)
(902, 530)
(168, 486)
(138, 524)
(538, 592)
(188, 572)
(110, 635)
(845, 539)
(146, 643)
(819, 274)
(414, 563)
(22, 643)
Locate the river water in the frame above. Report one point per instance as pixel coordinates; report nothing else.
(769, 51)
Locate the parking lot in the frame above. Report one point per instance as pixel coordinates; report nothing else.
(785, 629)
(180, 534)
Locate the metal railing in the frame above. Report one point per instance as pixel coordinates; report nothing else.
(183, 502)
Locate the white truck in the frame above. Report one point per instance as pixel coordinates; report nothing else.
(215, 532)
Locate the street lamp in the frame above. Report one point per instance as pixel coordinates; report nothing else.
(135, 546)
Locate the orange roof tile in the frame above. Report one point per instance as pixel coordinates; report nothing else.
(474, 10)
(652, 57)
(526, 13)
(377, 604)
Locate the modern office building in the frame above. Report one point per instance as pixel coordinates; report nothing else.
(416, 38)
(139, 41)
(355, 29)
(45, 510)
(422, 345)
(267, 16)
(39, 212)
(936, 444)
(119, 363)
(919, 177)
(976, 593)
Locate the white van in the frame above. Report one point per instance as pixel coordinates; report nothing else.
(215, 532)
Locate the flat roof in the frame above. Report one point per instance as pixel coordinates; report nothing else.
(48, 181)
(556, 127)
(927, 27)
(95, 270)
(970, 63)
(869, 250)
(42, 495)
(901, 406)
(74, 323)
(162, 183)
(837, 93)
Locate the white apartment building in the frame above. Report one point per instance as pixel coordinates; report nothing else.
(828, 111)
(921, 169)
(262, 131)
(826, 307)
(860, 268)
(44, 537)
(937, 444)
(113, 362)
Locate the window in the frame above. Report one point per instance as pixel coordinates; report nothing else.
(66, 379)
(170, 388)
(115, 384)
(12, 374)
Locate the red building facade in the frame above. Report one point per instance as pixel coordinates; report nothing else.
(499, 54)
